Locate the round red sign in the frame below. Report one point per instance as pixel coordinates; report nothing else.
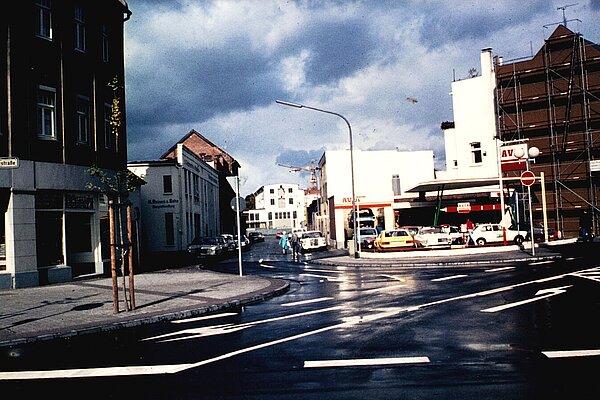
(527, 178)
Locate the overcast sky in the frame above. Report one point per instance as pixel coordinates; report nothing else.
(387, 66)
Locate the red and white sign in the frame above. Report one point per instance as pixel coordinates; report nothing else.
(463, 207)
(513, 157)
(527, 178)
(472, 208)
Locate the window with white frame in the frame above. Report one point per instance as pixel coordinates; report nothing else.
(476, 153)
(44, 19)
(83, 119)
(46, 113)
(79, 28)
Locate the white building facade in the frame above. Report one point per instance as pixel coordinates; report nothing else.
(381, 178)
(470, 144)
(278, 207)
(179, 202)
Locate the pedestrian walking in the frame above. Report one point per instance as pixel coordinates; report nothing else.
(283, 242)
(295, 244)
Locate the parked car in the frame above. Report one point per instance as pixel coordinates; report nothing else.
(229, 242)
(312, 240)
(538, 233)
(492, 233)
(367, 237)
(245, 242)
(456, 236)
(585, 235)
(205, 247)
(366, 219)
(432, 236)
(256, 236)
(393, 239)
(412, 229)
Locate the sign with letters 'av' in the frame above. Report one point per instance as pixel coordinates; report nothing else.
(513, 157)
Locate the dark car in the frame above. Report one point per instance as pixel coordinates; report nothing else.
(206, 247)
(256, 236)
(538, 234)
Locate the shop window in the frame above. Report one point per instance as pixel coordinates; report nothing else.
(49, 237)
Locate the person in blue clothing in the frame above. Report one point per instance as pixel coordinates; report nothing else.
(283, 242)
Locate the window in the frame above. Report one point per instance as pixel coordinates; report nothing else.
(476, 155)
(270, 216)
(291, 200)
(83, 119)
(44, 19)
(169, 230)
(167, 184)
(105, 44)
(272, 191)
(79, 29)
(290, 190)
(46, 114)
(272, 202)
(108, 136)
(396, 185)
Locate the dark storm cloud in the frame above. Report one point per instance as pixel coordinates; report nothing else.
(455, 21)
(299, 158)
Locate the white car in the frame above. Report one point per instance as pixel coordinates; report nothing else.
(492, 233)
(432, 236)
(312, 240)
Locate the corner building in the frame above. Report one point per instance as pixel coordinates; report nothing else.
(553, 100)
(57, 59)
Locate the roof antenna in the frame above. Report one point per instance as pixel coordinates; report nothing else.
(565, 20)
(563, 12)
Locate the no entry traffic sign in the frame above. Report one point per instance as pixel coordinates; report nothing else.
(527, 178)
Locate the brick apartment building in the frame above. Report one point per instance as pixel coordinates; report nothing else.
(553, 100)
(57, 60)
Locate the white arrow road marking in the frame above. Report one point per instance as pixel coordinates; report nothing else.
(447, 278)
(365, 362)
(571, 353)
(310, 301)
(195, 333)
(540, 294)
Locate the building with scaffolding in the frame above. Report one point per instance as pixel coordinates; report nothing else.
(552, 100)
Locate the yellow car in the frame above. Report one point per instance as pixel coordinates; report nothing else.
(394, 238)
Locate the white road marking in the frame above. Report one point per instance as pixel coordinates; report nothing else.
(194, 333)
(499, 269)
(540, 294)
(298, 303)
(92, 372)
(267, 266)
(222, 315)
(162, 369)
(321, 270)
(329, 278)
(571, 353)
(396, 278)
(383, 289)
(541, 262)
(365, 362)
(447, 278)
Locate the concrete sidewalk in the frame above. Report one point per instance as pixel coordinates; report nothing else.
(86, 306)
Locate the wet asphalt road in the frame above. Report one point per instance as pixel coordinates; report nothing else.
(462, 332)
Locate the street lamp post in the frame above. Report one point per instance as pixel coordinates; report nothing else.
(355, 216)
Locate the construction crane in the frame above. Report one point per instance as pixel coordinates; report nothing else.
(307, 168)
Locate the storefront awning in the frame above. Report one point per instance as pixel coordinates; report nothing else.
(450, 184)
